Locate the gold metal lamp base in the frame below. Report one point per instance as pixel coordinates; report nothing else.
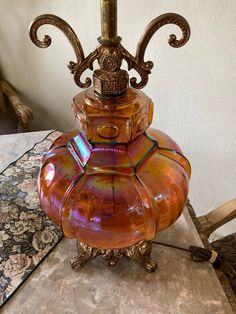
(140, 252)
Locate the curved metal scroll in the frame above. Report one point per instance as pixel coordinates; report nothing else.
(82, 63)
(63, 26)
(138, 63)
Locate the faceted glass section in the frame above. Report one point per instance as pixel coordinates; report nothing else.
(117, 120)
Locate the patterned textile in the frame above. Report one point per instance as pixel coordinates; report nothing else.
(26, 233)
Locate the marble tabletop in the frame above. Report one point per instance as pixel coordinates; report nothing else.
(178, 286)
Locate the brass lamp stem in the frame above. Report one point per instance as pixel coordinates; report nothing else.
(108, 20)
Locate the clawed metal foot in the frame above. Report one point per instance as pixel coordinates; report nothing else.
(140, 252)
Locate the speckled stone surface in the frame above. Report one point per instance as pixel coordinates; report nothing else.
(178, 286)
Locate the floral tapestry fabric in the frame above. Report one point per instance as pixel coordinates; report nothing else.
(26, 233)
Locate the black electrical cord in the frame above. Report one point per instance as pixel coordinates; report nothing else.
(198, 254)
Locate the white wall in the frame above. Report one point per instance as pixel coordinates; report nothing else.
(194, 87)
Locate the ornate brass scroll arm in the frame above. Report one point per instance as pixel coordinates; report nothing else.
(82, 63)
(153, 26)
(138, 63)
(133, 64)
(63, 26)
(78, 69)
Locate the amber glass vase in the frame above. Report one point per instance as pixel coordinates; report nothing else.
(112, 182)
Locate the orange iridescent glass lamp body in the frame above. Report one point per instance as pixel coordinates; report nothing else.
(113, 182)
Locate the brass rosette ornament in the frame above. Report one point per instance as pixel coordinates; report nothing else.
(112, 182)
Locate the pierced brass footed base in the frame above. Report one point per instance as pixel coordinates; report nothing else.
(140, 252)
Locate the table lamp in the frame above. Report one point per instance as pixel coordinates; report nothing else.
(112, 182)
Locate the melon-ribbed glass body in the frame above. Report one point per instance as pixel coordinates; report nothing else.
(113, 182)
